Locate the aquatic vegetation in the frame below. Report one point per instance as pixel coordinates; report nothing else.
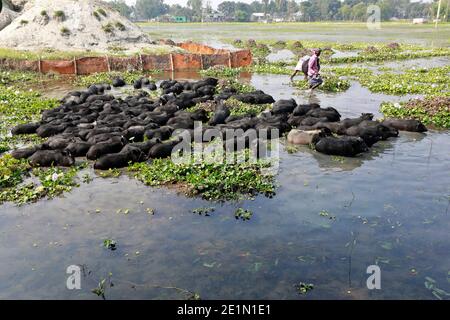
(431, 285)
(280, 44)
(271, 68)
(12, 171)
(425, 81)
(221, 72)
(231, 83)
(390, 55)
(18, 106)
(204, 211)
(110, 173)
(212, 181)
(353, 72)
(107, 77)
(243, 214)
(52, 183)
(326, 214)
(430, 110)
(208, 106)
(16, 77)
(110, 244)
(331, 83)
(261, 50)
(241, 108)
(304, 288)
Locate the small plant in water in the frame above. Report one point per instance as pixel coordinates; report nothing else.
(304, 288)
(204, 211)
(100, 290)
(243, 214)
(325, 213)
(110, 244)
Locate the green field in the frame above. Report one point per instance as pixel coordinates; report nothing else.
(323, 31)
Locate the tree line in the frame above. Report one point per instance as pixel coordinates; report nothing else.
(309, 10)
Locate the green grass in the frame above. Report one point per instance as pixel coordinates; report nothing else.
(120, 26)
(45, 54)
(60, 15)
(108, 28)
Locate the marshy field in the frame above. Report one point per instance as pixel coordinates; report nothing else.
(156, 230)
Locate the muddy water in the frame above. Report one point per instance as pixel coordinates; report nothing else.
(390, 207)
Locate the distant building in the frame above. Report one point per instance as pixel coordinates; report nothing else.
(296, 16)
(419, 21)
(170, 18)
(261, 17)
(180, 19)
(214, 17)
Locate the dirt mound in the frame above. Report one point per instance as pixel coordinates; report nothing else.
(68, 25)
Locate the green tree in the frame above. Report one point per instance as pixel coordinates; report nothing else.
(227, 8)
(197, 7)
(177, 10)
(148, 9)
(241, 16)
(345, 12)
(359, 11)
(122, 7)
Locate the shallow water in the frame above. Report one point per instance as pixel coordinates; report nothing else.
(391, 203)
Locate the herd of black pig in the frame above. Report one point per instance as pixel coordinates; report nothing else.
(115, 131)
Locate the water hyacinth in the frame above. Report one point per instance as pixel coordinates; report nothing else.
(431, 110)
